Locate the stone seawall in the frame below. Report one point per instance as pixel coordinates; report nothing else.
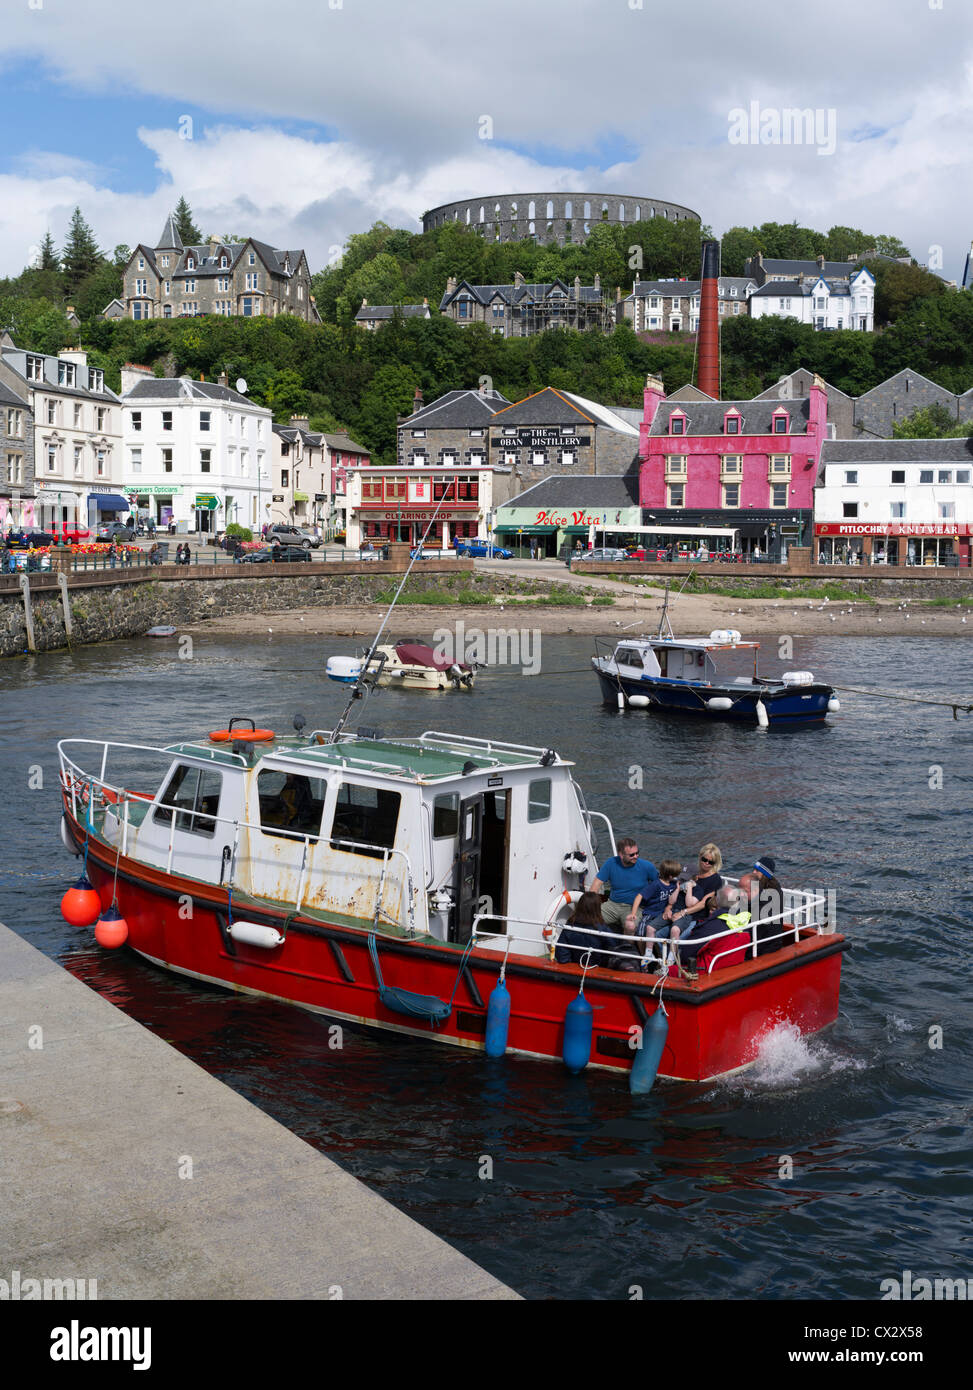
(126, 611)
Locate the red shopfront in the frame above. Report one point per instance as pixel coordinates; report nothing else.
(399, 507)
(945, 544)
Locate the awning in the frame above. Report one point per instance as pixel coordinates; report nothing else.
(110, 502)
(300, 497)
(527, 530)
(753, 529)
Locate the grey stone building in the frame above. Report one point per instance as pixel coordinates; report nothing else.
(372, 316)
(558, 434)
(522, 309)
(451, 431)
(764, 271)
(16, 455)
(672, 306)
(245, 278)
(551, 217)
(894, 400)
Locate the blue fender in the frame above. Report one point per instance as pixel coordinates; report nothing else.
(497, 1020)
(655, 1031)
(578, 1018)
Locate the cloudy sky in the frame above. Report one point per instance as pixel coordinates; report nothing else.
(302, 121)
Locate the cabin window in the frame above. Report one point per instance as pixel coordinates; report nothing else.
(539, 799)
(445, 816)
(194, 794)
(290, 803)
(628, 657)
(367, 815)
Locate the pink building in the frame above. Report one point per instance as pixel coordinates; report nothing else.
(746, 464)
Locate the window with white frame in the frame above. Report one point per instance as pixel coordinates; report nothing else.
(15, 424)
(96, 379)
(100, 462)
(15, 469)
(963, 475)
(676, 463)
(78, 460)
(205, 417)
(163, 261)
(897, 511)
(251, 259)
(77, 415)
(851, 476)
(52, 458)
(252, 280)
(136, 421)
(135, 460)
(925, 475)
(222, 284)
(677, 494)
(780, 463)
(945, 475)
(189, 285)
(778, 494)
(52, 412)
(731, 494)
(731, 425)
(780, 424)
(141, 262)
(947, 511)
(141, 286)
(538, 458)
(205, 460)
(898, 477)
(190, 263)
(167, 460)
(102, 417)
(167, 420)
(732, 463)
(35, 369)
(67, 374)
(677, 424)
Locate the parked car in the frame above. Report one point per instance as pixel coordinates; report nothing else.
(288, 554)
(605, 552)
(74, 534)
(279, 534)
(479, 550)
(23, 540)
(115, 531)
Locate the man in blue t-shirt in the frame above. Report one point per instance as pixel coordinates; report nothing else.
(628, 877)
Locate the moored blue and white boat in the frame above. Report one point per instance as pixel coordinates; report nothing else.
(684, 676)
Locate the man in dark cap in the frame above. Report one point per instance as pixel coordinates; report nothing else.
(766, 900)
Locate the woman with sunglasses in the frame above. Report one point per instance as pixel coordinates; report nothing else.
(698, 894)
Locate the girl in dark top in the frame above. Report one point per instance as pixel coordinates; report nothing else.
(695, 901)
(582, 933)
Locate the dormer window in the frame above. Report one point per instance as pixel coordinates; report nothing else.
(224, 262)
(677, 424)
(190, 263)
(780, 424)
(731, 424)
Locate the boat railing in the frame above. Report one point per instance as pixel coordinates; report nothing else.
(84, 787)
(800, 915)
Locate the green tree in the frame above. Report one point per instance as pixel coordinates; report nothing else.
(379, 280)
(80, 255)
(932, 422)
(48, 259)
(121, 256)
(185, 226)
(388, 395)
(97, 290)
(285, 395)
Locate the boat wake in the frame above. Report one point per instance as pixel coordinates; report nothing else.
(785, 1058)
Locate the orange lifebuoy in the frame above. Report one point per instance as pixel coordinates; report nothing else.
(242, 735)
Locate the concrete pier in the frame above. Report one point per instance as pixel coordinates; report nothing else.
(100, 1126)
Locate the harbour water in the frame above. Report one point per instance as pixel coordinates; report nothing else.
(837, 1162)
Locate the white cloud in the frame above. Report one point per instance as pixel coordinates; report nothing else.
(402, 88)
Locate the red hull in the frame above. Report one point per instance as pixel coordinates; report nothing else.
(715, 1024)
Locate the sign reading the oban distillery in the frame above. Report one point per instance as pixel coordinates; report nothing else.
(541, 438)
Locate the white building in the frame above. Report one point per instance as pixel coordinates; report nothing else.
(196, 453)
(77, 436)
(894, 501)
(823, 303)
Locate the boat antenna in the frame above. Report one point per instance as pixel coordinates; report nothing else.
(360, 688)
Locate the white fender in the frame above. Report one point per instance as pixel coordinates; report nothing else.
(639, 701)
(834, 705)
(762, 718)
(69, 844)
(621, 699)
(719, 702)
(254, 934)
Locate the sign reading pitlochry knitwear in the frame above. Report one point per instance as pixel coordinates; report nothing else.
(892, 528)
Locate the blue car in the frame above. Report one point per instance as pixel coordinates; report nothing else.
(479, 550)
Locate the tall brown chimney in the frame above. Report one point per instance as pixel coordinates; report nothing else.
(708, 377)
(417, 401)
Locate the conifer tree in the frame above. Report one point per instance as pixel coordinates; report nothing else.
(185, 226)
(81, 255)
(48, 259)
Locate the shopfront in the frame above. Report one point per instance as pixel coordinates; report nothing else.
(57, 508)
(942, 544)
(205, 507)
(107, 506)
(156, 504)
(553, 531)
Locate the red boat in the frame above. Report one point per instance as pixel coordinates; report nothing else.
(394, 882)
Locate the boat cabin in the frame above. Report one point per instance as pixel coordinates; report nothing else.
(688, 659)
(406, 836)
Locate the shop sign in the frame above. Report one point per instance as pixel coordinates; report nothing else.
(278, 497)
(891, 528)
(542, 438)
(424, 516)
(578, 518)
(207, 502)
(158, 490)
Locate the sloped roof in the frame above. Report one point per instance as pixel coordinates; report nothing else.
(706, 417)
(386, 311)
(906, 373)
(457, 410)
(897, 450)
(8, 397)
(548, 407)
(345, 444)
(170, 239)
(839, 269)
(517, 294)
(601, 490)
(183, 388)
(602, 414)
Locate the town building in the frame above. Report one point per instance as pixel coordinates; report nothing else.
(451, 430)
(841, 407)
(77, 436)
(895, 502)
(245, 278)
(309, 474)
(750, 465)
(672, 306)
(197, 454)
(561, 218)
(372, 316)
(879, 410)
(558, 513)
(557, 433)
(16, 459)
(400, 502)
(831, 303)
(520, 310)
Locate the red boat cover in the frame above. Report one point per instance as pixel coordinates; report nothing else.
(416, 654)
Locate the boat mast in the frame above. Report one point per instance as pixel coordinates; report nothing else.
(665, 626)
(360, 689)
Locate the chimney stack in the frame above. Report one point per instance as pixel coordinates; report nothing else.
(451, 284)
(577, 287)
(518, 280)
(597, 283)
(708, 377)
(820, 260)
(417, 401)
(224, 379)
(132, 374)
